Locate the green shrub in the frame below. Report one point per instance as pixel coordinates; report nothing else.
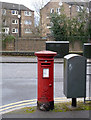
(7, 39)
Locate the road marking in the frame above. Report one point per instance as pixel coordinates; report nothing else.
(16, 105)
(60, 98)
(26, 101)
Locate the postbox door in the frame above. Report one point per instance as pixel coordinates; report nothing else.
(47, 82)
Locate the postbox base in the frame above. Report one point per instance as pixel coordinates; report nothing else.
(45, 106)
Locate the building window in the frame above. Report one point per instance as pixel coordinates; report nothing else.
(3, 12)
(27, 13)
(14, 12)
(78, 8)
(14, 21)
(49, 25)
(58, 10)
(4, 22)
(5, 30)
(47, 15)
(87, 10)
(81, 7)
(27, 22)
(52, 10)
(27, 30)
(14, 30)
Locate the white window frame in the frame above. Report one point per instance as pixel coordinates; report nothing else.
(87, 10)
(78, 8)
(4, 21)
(47, 15)
(28, 30)
(15, 12)
(16, 21)
(58, 11)
(16, 30)
(82, 7)
(52, 10)
(6, 30)
(27, 22)
(49, 26)
(27, 13)
(3, 12)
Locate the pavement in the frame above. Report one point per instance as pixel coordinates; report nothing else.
(50, 114)
(23, 59)
(42, 114)
(27, 59)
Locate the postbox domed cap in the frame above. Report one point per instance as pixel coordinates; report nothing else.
(46, 53)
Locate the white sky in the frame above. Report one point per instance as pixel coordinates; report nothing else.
(27, 3)
(30, 3)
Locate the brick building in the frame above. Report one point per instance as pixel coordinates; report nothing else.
(17, 19)
(70, 9)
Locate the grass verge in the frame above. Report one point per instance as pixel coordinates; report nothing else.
(58, 107)
(63, 107)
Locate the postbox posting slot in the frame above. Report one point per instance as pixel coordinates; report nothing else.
(44, 64)
(45, 72)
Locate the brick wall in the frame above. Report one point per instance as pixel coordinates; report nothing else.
(35, 44)
(32, 44)
(10, 46)
(76, 46)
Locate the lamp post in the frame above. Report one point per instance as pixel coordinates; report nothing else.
(70, 7)
(19, 17)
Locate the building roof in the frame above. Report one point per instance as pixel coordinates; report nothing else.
(71, 2)
(13, 6)
(79, 3)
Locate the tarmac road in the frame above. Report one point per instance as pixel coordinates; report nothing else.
(19, 82)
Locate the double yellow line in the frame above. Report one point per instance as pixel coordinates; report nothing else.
(24, 103)
(16, 105)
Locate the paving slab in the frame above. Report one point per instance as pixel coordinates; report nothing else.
(50, 114)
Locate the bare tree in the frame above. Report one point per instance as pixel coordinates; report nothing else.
(38, 5)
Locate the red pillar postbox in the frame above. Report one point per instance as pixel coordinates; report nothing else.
(45, 99)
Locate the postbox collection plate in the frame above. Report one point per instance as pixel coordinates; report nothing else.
(45, 72)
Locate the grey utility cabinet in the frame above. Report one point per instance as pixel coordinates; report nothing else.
(74, 76)
(61, 47)
(87, 50)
